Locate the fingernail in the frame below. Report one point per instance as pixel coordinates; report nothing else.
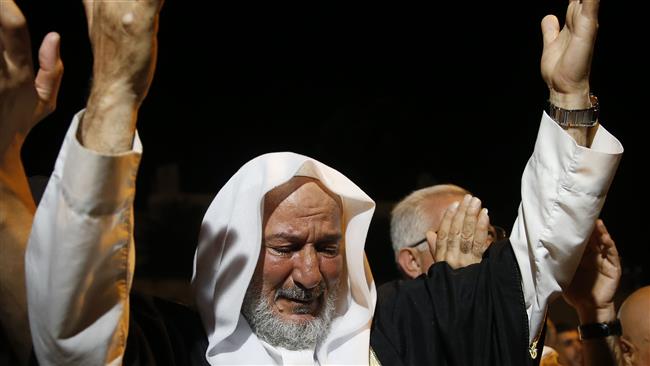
(476, 203)
(454, 206)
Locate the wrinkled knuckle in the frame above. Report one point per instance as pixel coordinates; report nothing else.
(465, 246)
(442, 235)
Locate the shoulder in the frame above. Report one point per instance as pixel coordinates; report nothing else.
(164, 332)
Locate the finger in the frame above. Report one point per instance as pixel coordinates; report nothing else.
(13, 33)
(590, 8)
(597, 235)
(443, 231)
(550, 29)
(600, 227)
(607, 251)
(606, 242)
(453, 244)
(469, 225)
(610, 251)
(49, 75)
(432, 239)
(459, 216)
(481, 238)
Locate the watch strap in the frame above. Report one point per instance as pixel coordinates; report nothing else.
(600, 330)
(575, 117)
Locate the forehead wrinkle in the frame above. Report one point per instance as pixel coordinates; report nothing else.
(280, 193)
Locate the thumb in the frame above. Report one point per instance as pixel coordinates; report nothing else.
(550, 29)
(49, 75)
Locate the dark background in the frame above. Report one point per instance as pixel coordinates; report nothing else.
(395, 97)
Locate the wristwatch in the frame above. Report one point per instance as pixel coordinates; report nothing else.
(600, 330)
(575, 117)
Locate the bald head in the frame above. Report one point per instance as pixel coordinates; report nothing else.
(635, 321)
(420, 211)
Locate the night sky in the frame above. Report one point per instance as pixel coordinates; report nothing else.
(395, 97)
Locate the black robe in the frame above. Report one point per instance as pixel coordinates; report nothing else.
(471, 316)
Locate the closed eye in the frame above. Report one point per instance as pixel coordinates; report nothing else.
(328, 248)
(283, 249)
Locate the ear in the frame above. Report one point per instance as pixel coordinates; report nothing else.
(409, 262)
(627, 351)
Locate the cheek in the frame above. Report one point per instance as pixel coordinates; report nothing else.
(275, 272)
(331, 268)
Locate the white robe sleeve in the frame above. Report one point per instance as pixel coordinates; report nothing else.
(563, 189)
(80, 257)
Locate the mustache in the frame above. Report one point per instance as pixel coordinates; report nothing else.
(301, 294)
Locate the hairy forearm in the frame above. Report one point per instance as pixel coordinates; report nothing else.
(109, 123)
(16, 215)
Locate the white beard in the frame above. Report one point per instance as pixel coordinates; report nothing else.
(286, 334)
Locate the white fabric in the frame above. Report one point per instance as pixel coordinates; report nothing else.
(80, 254)
(229, 246)
(80, 257)
(563, 189)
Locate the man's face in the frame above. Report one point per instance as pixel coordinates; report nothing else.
(301, 259)
(569, 348)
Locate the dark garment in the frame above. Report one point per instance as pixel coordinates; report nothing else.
(164, 333)
(7, 355)
(470, 316)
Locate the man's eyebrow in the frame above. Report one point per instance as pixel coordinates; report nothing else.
(330, 237)
(297, 238)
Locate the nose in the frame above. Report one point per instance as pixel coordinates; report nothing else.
(306, 270)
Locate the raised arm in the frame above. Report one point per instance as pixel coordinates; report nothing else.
(566, 60)
(567, 178)
(80, 256)
(591, 293)
(24, 100)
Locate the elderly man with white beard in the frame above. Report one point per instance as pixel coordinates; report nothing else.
(280, 273)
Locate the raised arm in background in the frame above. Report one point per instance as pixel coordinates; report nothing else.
(24, 101)
(592, 291)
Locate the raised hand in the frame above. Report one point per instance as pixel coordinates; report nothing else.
(462, 237)
(24, 100)
(566, 59)
(123, 38)
(595, 282)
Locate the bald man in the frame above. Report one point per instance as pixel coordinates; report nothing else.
(412, 217)
(635, 321)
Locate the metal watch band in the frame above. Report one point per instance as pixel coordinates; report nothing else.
(575, 117)
(600, 330)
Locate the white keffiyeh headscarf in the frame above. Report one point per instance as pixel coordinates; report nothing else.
(227, 254)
